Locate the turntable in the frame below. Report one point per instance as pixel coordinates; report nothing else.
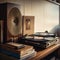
(44, 42)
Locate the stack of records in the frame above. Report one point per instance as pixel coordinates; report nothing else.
(19, 51)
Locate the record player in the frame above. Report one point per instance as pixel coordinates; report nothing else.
(44, 42)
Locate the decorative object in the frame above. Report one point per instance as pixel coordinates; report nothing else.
(28, 25)
(12, 21)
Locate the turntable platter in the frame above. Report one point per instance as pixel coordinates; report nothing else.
(14, 22)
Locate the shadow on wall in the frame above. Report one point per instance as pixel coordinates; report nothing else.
(56, 30)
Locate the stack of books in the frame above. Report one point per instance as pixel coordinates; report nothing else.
(19, 51)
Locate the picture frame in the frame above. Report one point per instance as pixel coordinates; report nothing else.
(28, 25)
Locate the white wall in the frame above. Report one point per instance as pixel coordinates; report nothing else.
(46, 13)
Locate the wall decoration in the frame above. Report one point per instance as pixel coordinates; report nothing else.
(28, 22)
(28, 25)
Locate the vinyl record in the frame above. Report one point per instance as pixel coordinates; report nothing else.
(14, 21)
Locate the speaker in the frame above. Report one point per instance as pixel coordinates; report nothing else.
(12, 26)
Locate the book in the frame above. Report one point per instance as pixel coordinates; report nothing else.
(27, 56)
(11, 48)
(22, 53)
(15, 45)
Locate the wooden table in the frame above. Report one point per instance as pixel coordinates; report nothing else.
(41, 54)
(45, 52)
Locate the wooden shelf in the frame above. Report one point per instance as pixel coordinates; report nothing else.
(40, 54)
(45, 52)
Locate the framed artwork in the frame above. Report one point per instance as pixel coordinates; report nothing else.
(28, 25)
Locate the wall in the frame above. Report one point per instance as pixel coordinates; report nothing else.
(46, 13)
